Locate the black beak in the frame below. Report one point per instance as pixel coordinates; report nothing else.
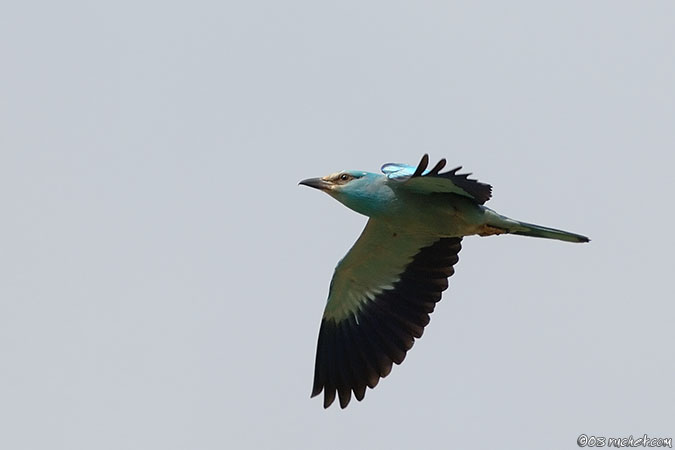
(316, 183)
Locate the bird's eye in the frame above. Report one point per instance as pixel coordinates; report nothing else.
(344, 177)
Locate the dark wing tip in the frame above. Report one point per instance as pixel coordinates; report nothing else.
(329, 398)
(421, 167)
(437, 168)
(481, 192)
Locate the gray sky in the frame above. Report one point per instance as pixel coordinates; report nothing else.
(164, 276)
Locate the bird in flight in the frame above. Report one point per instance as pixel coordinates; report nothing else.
(385, 287)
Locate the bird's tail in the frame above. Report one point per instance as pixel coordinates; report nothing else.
(511, 226)
(528, 229)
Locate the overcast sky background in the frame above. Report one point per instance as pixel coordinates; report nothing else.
(163, 276)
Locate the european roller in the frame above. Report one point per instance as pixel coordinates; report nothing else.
(385, 287)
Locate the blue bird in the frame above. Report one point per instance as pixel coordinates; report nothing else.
(385, 287)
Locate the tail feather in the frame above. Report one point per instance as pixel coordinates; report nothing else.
(511, 226)
(528, 229)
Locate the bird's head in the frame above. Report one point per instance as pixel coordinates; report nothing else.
(358, 190)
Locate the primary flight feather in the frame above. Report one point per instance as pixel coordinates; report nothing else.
(385, 287)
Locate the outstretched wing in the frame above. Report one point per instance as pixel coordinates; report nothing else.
(428, 181)
(380, 299)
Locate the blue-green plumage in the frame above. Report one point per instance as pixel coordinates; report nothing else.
(384, 289)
